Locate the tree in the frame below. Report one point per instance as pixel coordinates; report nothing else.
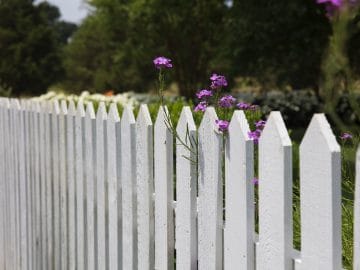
(30, 46)
(279, 41)
(127, 35)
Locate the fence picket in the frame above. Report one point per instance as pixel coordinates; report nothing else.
(56, 183)
(320, 183)
(29, 200)
(80, 186)
(2, 190)
(63, 186)
(357, 214)
(90, 140)
(186, 189)
(23, 188)
(42, 175)
(48, 122)
(70, 159)
(239, 196)
(210, 204)
(112, 185)
(163, 180)
(128, 179)
(101, 182)
(275, 212)
(145, 188)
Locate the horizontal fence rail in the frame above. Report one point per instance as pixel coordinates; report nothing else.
(90, 190)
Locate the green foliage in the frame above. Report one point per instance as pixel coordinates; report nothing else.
(29, 46)
(279, 42)
(115, 46)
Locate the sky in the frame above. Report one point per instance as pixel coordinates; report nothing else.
(71, 10)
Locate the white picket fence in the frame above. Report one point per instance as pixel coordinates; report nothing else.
(87, 191)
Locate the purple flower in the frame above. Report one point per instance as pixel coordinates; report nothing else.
(336, 3)
(204, 93)
(222, 125)
(243, 106)
(255, 181)
(346, 136)
(218, 81)
(201, 106)
(162, 62)
(260, 124)
(255, 135)
(227, 101)
(253, 107)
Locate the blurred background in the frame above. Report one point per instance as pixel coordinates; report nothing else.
(291, 56)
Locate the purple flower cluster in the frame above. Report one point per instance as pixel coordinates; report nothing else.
(218, 81)
(255, 135)
(246, 106)
(346, 136)
(162, 62)
(255, 181)
(227, 101)
(204, 94)
(201, 107)
(223, 125)
(210, 97)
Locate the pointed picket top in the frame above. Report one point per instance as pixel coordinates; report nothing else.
(55, 107)
(80, 109)
(240, 125)
(357, 214)
(101, 112)
(275, 128)
(162, 117)
(127, 116)
(144, 116)
(186, 121)
(320, 128)
(320, 186)
(72, 108)
(90, 112)
(208, 120)
(37, 107)
(63, 107)
(17, 104)
(275, 212)
(113, 113)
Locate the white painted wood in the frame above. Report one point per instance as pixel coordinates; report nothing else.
(112, 186)
(164, 190)
(2, 191)
(29, 184)
(186, 189)
(145, 189)
(210, 204)
(56, 184)
(16, 183)
(90, 139)
(8, 235)
(275, 196)
(42, 160)
(128, 178)
(48, 123)
(70, 159)
(101, 116)
(80, 186)
(63, 187)
(320, 183)
(239, 196)
(22, 186)
(357, 214)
